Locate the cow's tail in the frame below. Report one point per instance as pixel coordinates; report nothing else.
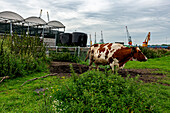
(87, 55)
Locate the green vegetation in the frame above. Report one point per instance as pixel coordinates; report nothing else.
(92, 91)
(17, 99)
(65, 57)
(95, 91)
(154, 53)
(163, 92)
(21, 55)
(156, 63)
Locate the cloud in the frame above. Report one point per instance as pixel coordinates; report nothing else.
(93, 6)
(110, 16)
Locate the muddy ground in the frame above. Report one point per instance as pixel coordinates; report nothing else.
(146, 75)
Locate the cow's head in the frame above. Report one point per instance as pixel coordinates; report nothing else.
(138, 55)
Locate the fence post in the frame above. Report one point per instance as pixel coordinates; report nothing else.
(47, 51)
(56, 48)
(78, 51)
(75, 50)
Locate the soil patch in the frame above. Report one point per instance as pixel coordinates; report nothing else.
(146, 75)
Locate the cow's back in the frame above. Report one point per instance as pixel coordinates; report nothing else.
(103, 52)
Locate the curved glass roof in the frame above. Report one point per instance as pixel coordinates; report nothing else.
(11, 16)
(35, 20)
(56, 24)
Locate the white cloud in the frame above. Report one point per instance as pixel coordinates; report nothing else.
(95, 6)
(111, 16)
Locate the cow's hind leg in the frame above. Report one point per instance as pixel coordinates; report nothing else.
(91, 62)
(97, 66)
(114, 66)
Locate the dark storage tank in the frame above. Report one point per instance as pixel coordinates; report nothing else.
(66, 38)
(79, 39)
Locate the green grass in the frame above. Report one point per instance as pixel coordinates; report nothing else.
(163, 64)
(156, 63)
(16, 99)
(162, 92)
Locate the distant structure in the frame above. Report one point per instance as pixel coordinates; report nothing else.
(11, 22)
(129, 37)
(120, 43)
(90, 40)
(95, 38)
(147, 39)
(48, 16)
(101, 40)
(74, 39)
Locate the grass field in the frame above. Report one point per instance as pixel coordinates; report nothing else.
(163, 64)
(16, 99)
(162, 91)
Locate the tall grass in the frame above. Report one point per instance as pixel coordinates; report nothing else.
(21, 55)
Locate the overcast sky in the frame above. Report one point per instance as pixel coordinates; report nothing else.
(110, 16)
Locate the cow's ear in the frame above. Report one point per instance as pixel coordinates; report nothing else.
(134, 50)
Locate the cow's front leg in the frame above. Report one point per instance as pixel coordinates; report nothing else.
(116, 68)
(112, 66)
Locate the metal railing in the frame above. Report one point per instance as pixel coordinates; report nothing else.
(73, 50)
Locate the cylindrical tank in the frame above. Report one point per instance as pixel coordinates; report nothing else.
(66, 38)
(79, 39)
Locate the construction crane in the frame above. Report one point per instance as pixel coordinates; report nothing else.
(145, 43)
(129, 37)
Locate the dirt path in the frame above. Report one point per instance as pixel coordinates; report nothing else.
(146, 75)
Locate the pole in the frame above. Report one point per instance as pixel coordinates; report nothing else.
(48, 16)
(11, 28)
(102, 37)
(78, 51)
(40, 13)
(28, 30)
(90, 40)
(95, 38)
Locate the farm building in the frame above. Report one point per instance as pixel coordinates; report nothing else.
(52, 31)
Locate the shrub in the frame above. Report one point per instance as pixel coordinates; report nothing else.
(95, 91)
(154, 53)
(65, 56)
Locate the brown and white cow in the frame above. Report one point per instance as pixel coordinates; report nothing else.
(113, 55)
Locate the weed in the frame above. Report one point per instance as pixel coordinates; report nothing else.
(94, 91)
